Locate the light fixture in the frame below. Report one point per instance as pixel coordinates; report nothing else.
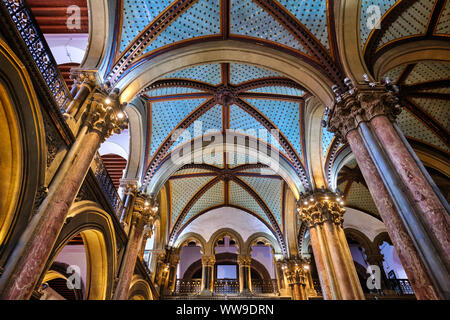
(108, 101)
(120, 115)
(306, 267)
(147, 203)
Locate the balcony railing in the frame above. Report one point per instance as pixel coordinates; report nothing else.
(34, 39)
(401, 286)
(108, 186)
(226, 286)
(223, 287)
(187, 287)
(264, 286)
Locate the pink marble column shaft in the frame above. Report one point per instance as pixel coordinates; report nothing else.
(40, 237)
(129, 261)
(403, 244)
(434, 215)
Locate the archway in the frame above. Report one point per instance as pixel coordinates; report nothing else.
(97, 232)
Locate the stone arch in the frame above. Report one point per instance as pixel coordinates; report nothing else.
(135, 112)
(98, 234)
(227, 257)
(362, 239)
(226, 51)
(139, 289)
(101, 22)
(343, 156)
(210, 245)
(347, 22)
(282, 167)
(313, 117)
(266, 238)
(411, 52)
(382, 237)
(58, 270)
(191, 236)
(23, 151)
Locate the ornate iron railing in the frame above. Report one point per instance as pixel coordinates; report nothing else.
(108, 186)
(187, 287)
(226, 286)
(34, 39)
(317, 287)
(264, 286)
(401, 286)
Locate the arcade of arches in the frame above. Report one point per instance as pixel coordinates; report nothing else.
(239, 149)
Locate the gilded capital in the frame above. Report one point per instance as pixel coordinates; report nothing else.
(106, 116)
(208, 260)
(360, 104)
(296, 270)
(145, 209)
(320, 207)
(244, 260)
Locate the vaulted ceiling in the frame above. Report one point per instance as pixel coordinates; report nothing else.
(233, 95)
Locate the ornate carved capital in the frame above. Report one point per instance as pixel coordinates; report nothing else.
(174, 259)
(244, 260)
(360, 104)
(106, 116)
(145, 209)
(320, 207)
(208, 260)
(296, 270)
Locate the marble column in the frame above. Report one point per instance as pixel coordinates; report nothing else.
(24, 267)
(148, 232)
(144, 212)
(365, 117)
(208, 262)
(279, 274)
(245, 275)
(433, 215)
(173, 268)
(323, 215)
